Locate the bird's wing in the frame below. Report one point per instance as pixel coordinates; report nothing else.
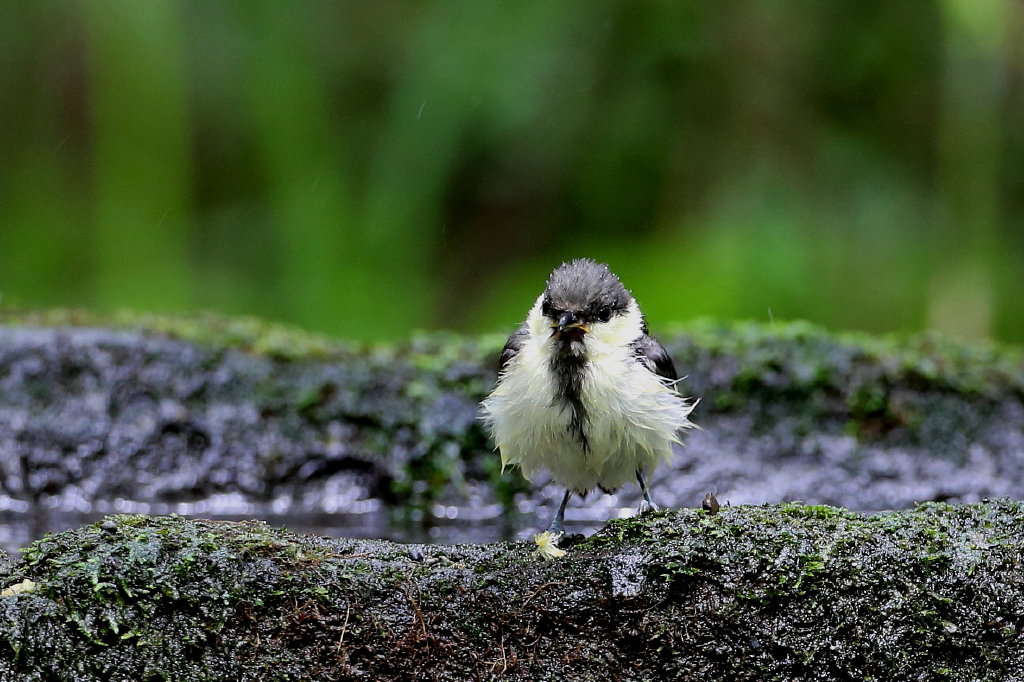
(648, 351)
(512, 346)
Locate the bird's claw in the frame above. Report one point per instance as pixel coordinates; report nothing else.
(646, 506)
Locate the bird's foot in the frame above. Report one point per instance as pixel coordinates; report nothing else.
(646, 506)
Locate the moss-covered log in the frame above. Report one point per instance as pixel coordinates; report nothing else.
(753, 593)
(165, 410)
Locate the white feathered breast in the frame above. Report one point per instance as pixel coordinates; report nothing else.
(632, 417)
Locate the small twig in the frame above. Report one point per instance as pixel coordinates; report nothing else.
(503, 662)
(416, 609)
(344, 627)
(537, 591)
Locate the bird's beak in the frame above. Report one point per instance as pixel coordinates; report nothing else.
(568, 322)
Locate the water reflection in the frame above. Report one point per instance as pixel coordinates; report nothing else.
(446, 524)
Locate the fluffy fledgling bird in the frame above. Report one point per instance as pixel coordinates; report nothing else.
(584, 391)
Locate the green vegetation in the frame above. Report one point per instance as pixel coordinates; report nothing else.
(365, 169)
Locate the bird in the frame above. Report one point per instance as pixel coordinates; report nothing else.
(584, 391)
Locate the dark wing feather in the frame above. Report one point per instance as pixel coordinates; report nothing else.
(653, 356)
(512, 346)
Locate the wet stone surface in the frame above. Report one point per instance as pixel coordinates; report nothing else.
(627, 574)
(775, 592)
(95, 420)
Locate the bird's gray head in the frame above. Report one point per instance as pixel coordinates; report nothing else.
(582, 293)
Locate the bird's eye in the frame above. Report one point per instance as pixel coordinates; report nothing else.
(604, 313)
(545, 309)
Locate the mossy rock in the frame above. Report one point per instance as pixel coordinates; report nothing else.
(780, 592)
(168, 410)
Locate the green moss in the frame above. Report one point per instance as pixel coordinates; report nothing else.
(790, 591)
(171, 587)
(248, 334)
(812, 358)
(804, 356)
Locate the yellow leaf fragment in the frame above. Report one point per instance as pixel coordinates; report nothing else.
(547, 545)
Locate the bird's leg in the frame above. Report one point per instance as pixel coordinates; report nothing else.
(556, 526)
(647, 504)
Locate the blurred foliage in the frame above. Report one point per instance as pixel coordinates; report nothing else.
(366, 168)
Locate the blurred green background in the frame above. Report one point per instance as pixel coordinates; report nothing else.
(367, 168)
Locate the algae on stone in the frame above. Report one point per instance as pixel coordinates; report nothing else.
(171, 410)
(767, 592)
